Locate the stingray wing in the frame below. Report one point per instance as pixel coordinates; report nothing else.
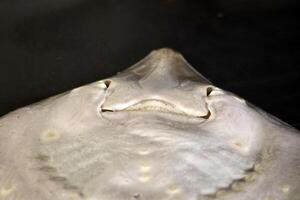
(25, 132)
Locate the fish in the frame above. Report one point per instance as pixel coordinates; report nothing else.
(158, 130)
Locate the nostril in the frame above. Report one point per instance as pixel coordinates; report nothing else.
(107, 83)
(208, 90)
(106, 110)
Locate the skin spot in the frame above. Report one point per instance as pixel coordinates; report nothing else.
(221, 193)
(239, 146)
(136, 196)
(6, 190)
(48, 169)
(258, 168)
(144, 152)
(70, 187)
(58, 178)
(43, 158)
(285, 188)
(50, 136)
(144, 178)
(74, 196)
(268, 198)
(250, 177)
(236, 186)
(267, 153)
(173, 189)
(145, 168)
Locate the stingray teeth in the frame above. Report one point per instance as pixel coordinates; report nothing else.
(154, 105)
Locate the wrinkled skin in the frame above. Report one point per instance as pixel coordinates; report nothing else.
(159, 130)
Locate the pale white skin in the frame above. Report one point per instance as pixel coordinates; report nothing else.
(157, 131)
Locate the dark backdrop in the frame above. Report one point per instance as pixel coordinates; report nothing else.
(250, 47)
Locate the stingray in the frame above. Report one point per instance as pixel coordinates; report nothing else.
(157, 131)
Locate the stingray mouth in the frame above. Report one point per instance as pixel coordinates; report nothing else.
(153, 105)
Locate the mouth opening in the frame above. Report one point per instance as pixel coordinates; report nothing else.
(159, 106)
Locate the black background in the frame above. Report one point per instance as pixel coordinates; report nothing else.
(249, 47)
